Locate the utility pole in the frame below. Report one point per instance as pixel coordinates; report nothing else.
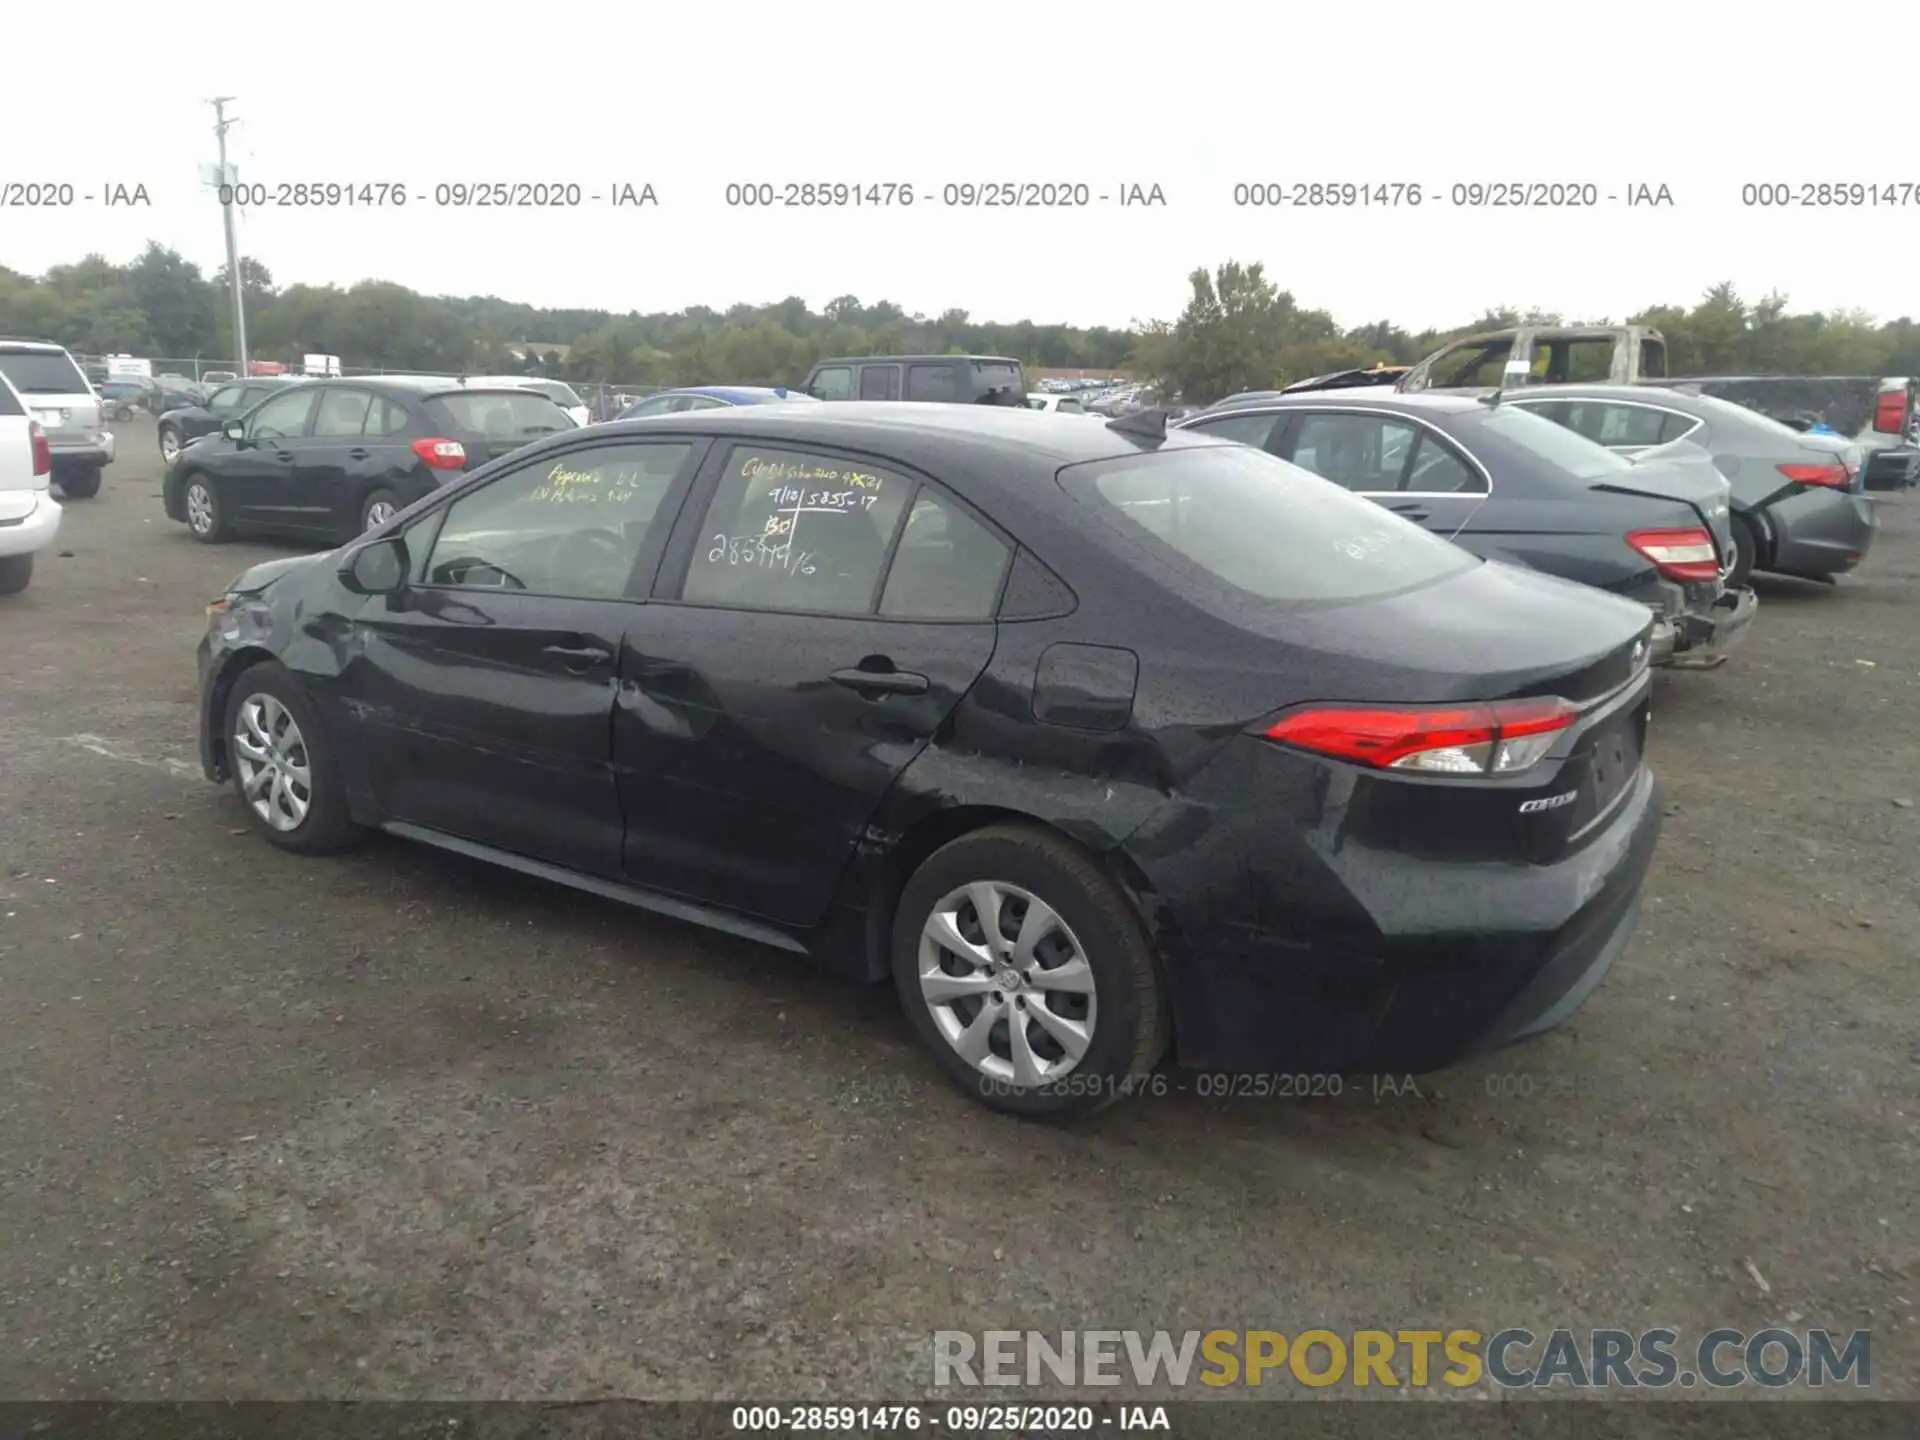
(221, 122)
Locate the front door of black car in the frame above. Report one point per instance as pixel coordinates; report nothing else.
(485, 691)
(833, 612)
(256, 475)
(1403, 466)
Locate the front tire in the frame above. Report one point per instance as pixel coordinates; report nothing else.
(379, 507)
(1027, 974)
(15, 572)
(206, 516)
(283, 766)
(79, 484)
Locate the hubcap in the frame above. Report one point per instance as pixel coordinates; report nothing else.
(271, 757)
(1007, 983)
(378, 513)
(199, 508)
(169, 447)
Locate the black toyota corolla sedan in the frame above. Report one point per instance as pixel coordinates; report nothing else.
(1106, 744)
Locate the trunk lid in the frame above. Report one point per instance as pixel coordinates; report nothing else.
(1681, 470)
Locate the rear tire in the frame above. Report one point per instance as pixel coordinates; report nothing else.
(1084, 961)
(206, 516)
(79, 484)
(15, 572)
(1746, 552)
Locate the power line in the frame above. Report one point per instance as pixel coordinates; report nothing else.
(226, 181)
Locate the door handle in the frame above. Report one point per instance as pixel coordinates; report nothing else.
(357, 454)
(881, 682)
(285, 457)
(580, 656)
(1412, 512)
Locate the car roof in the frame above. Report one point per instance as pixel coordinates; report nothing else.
(916, 432)
(898, 359)
(1364, 396)
(420, 386)
(1646, 394)
(8, 342)
(743, 394)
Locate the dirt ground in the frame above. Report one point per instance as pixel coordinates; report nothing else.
(395, 1125)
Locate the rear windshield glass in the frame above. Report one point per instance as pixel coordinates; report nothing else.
(1713, 405)
(42, 372)
(501, 412)
(557, 391)
(1552, 444)
(1263, 526)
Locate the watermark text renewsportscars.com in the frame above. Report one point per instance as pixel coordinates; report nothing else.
(1512, 1359)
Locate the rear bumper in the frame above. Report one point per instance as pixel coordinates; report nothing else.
(87, 453)
(1703, 641)
(35, 532)
(1818, 532)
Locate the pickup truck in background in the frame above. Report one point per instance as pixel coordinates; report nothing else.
(1879, 413)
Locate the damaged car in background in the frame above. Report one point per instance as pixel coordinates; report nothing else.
(1510, 485)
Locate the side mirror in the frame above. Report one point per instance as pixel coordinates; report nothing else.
(377, 569)
(234, 430)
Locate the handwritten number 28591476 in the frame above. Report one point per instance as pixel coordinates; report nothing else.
(753, 550)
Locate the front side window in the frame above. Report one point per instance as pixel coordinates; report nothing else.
(1261, 526)
(948, 566)
(833, 383)
(284, 417)
(792, 530)
(572, 525)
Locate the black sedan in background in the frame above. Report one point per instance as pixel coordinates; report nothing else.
(180, 427)
(1509, 485)
(329, 459)
(1101, 742)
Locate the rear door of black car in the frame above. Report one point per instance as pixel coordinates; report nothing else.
(819, 616)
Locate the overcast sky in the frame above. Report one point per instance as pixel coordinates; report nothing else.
(1195, 100)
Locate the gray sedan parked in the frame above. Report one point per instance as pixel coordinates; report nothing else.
(1799, 501)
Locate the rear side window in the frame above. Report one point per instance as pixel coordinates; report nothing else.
(788, 530)
(948, 567)
(932, 382)
(1263, 527)
(1244, 429)
(500, 414)
(880, 382)
(43, 372)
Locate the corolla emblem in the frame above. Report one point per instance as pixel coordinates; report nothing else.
(1552, 802)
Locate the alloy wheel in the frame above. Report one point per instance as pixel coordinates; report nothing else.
(378, 513)
(169, 446)
(270, 753)
(1007, 983)
(199, 508)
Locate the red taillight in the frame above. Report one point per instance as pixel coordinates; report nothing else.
(1498, 738)
(1890, 412)
(1837, 475)
(42, 451)
(441, 454)
(1684, 555)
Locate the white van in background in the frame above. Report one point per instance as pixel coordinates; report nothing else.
(29, 515)
(60, 397)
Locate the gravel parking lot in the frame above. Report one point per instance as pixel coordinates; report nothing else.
(398, 1125)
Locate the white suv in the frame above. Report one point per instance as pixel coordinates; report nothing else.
(59, 396)
(29, 515)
